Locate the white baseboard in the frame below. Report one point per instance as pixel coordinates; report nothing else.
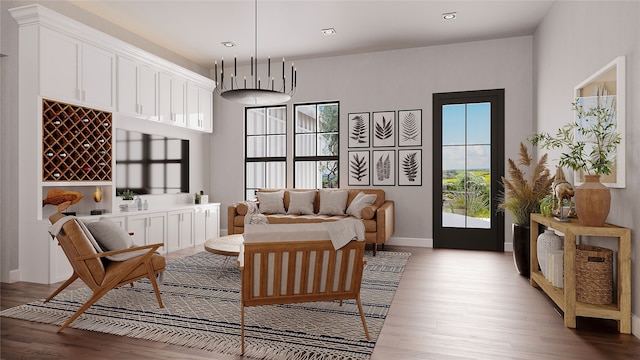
(508, 247)
(635, 325)
(415, 242)
(14, 275)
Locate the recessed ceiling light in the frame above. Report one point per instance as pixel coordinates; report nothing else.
(449, 15)
(228, 44)
(329, 31)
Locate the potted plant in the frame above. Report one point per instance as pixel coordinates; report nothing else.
(591, 141)
(522, 196)
(127, 195)
(127, 199)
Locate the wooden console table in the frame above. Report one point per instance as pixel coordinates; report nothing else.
(565, 298)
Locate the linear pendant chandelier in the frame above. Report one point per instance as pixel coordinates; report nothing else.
(255, 92)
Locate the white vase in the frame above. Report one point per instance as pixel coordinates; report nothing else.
(547, 241)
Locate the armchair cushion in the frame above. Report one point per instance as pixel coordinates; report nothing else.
(109, 235)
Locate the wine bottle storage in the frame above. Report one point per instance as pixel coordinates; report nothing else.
(76, 143)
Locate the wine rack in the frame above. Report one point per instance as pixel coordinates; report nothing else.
(76, 143)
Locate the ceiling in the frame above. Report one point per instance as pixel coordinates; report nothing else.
(292, 29)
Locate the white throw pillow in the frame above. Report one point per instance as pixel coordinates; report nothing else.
(301, 202)
(358, 203)
(109, 235)
(333, 202)
(271, 202)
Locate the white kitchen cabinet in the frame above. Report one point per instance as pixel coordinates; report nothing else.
(179, 229)
(148, 228)
(137, 88)
(76, 72)
(171, 99)
(206, 222)
(199, 108)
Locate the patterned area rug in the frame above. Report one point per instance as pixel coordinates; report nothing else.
(202, 310)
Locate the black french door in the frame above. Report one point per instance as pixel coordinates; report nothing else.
(468, 161)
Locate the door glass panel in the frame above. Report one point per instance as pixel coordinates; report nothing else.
(466, 165)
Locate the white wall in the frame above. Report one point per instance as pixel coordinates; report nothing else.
(574, 41)
(392, 80)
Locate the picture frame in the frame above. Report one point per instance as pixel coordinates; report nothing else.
(359, 168)
(410, 167)
(359, 130)
(383, 168)
(383, 129)
(410, 128)
(607, 85)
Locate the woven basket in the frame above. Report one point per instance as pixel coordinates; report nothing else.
(594, 274)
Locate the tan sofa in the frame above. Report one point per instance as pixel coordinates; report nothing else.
(378, 218)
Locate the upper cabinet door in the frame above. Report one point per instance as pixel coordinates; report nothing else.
(178, 99)
(98, 74)
(59, 64)
(127, 86)
(165, 111)
(148, 91)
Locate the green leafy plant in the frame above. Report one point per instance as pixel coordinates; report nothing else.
(591, 140)
(522, 195)
(127, 194)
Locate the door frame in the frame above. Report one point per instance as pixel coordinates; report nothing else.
(458, 238)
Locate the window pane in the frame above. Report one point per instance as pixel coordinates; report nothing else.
(135, 150)
(173, 176)
(157, 176)
(134, 175)
(255, 122)
(255, 175)
(479, 123)
(306, 175)
(328, 117)
(255, 146)
(305, 145)
(277, 120)
(157, 149)
(277, 145)
(328, 173)
(305, 118)
(174, 149)
(276, 175)
(328, 144)
(453, 124)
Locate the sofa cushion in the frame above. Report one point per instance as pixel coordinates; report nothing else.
(333, 202)
(359, 202)
(271, 202)
(301, 202)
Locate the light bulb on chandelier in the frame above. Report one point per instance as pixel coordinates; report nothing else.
(254, 93)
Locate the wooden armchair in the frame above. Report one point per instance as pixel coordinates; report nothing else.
(102, 275)
(290, 263)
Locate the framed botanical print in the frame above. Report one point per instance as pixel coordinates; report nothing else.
(410, 128)
(359, 168)
(383, 165)
(384, 129)
(410, 167)
(359, 130)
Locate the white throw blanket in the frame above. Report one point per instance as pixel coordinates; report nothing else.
(253, 215)
(343, 231)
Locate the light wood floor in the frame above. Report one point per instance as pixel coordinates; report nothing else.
(450, 304)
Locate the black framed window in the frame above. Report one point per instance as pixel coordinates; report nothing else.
(265, 148)
(317, 145)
